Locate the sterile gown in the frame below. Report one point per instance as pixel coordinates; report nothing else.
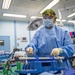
(45, 40)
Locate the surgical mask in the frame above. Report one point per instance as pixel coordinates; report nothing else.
(48, 22)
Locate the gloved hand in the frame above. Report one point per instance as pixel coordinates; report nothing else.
(56, 51)
(29, 50)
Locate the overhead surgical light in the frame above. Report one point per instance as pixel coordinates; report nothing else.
(14, 15)
(54, 2)
(6, 4)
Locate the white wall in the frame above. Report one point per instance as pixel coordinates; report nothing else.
(7, 29)
(21, 31)
(69, 27)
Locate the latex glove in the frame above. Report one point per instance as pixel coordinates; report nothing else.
(29, 50)
(56, 51)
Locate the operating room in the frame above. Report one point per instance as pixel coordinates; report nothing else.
(37, 37)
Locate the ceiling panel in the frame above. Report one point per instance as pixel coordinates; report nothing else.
(33, 7)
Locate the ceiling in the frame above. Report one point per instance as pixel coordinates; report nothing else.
(33, 8)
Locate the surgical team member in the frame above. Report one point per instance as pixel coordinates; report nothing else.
(51, 40)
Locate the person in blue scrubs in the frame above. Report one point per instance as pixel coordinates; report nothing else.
(51, 40)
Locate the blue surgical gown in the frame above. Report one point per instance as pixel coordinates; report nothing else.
(44, 40)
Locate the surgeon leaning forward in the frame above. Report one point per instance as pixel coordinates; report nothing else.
(51, 40)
